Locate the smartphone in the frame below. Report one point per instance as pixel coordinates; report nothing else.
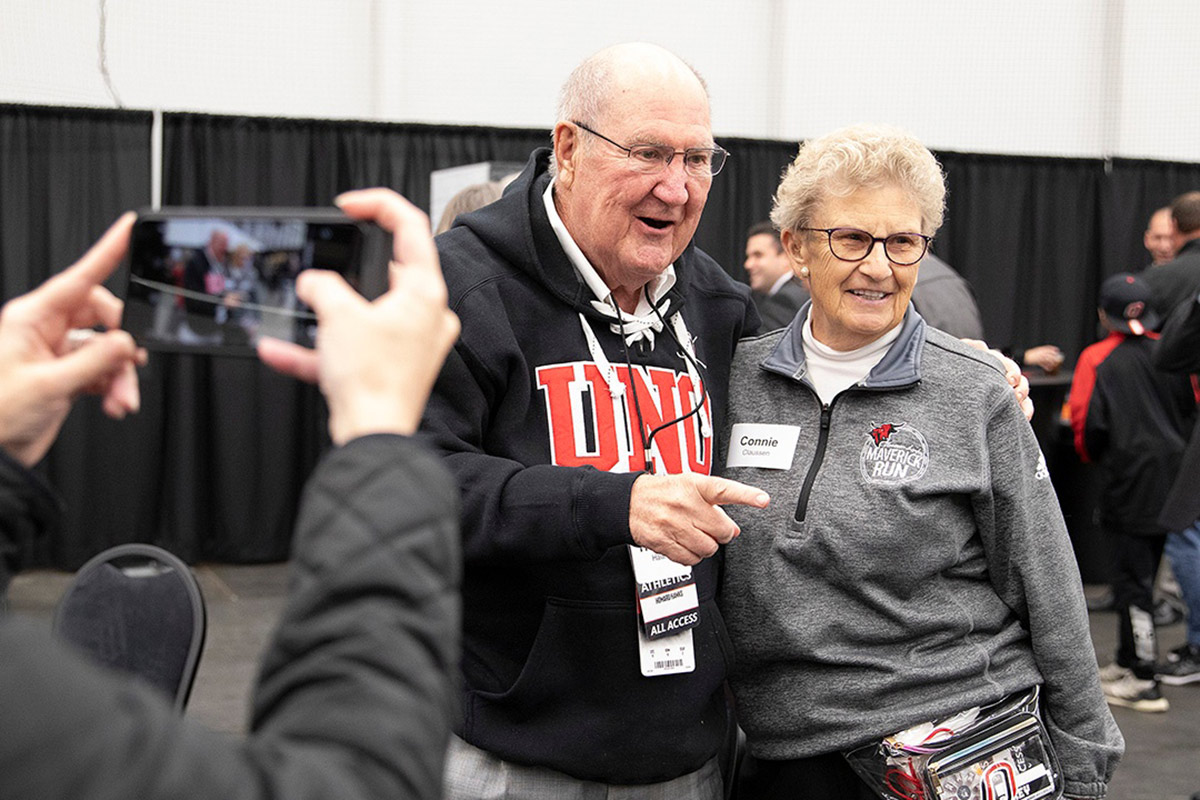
(216, 280)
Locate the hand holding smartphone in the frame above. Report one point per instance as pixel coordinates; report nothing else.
(215, 280)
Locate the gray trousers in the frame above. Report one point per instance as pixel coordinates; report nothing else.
(474, 774)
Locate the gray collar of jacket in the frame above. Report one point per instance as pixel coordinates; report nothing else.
(900, 366)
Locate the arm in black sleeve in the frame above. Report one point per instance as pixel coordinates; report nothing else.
(1179, 348)
(28, 509)
(512, 510)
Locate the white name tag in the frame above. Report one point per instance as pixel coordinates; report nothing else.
(761, 445)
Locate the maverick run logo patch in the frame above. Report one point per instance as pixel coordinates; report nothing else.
(893, 453)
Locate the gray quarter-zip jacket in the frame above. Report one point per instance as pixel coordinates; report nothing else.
(913, 561)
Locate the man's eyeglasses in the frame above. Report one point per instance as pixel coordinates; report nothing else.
(851, 244)
(699, 162)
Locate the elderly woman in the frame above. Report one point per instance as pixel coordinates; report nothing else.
(913, 563)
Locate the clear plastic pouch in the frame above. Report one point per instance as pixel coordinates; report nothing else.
(999, 752)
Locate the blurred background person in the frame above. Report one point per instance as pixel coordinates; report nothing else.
(945, 300)
(1179, 351)
(1045, 357)
(1179, 279)
(467, 200)
(777, 292)
(204, 279)
(239, 313)
(278, 290)
(1161, 238)
(1134, 421)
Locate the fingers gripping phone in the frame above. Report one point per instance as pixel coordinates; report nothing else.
(216, 280)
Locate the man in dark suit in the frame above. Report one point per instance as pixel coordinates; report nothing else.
(1178, 280)
(777, 292)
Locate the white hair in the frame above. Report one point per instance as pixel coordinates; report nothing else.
(839, 163)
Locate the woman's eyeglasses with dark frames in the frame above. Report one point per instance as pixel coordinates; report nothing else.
(852, 244)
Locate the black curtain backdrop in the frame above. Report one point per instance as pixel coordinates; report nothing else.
(215, 160)
(65, 175)
(1024, 233)
(212, 467)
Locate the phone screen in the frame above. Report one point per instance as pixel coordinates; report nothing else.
(217, 280)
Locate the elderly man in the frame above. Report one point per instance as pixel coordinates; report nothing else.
(211, 260)
(777, 292)
(577, 411)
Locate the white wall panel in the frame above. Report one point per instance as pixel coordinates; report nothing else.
(495, 63)
(48, 54)
(1015, 77)
(282, 57)
(1073, 77)
(1160, 87)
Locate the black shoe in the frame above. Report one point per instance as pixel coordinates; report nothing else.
(1177, 653)
(1181, 667)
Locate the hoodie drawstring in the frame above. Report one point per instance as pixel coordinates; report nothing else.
(616, 388)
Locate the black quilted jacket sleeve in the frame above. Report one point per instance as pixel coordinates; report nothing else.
(28, 510)
(354, 696)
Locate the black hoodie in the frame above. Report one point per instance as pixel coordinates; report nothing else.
(551, 672)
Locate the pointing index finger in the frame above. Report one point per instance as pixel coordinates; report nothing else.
(723, 491)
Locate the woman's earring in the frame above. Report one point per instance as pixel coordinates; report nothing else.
(804, 272)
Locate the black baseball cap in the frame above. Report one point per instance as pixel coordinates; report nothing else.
(1123, 297)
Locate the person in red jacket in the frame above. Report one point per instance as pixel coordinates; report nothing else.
(1133, 420)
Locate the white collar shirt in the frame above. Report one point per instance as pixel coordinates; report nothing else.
(644, 323)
